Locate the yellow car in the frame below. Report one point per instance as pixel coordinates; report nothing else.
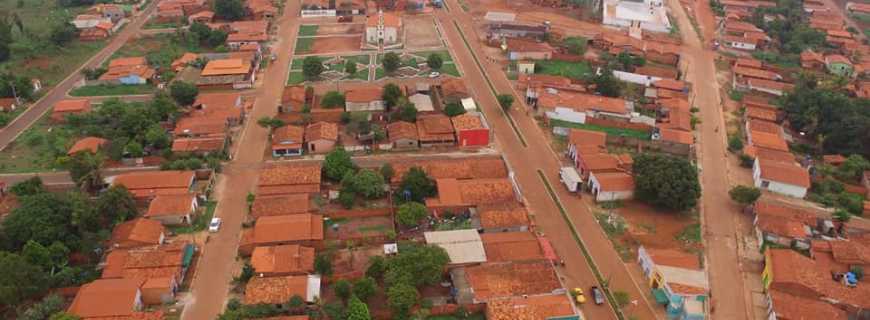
(579, 297)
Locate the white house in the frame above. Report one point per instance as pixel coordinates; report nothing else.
(611, 186)
(651, 15)
(739, 42)
(364, 99)
(781, 177)
(383, 28)
(677, 280)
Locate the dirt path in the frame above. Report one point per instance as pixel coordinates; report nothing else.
(526, 162)
(722, 231)
(58, 92)
(217, 264)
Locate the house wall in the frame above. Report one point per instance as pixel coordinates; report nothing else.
(473, 137)
(320, 146)
(741, 45)
(595, 188)
(173, 219)
(306, 13)
(406, 144)
(635, 78)
(391, 35)
(372, 34)
(530, 55)
(567, 114)
(286, 152)
(775, 186)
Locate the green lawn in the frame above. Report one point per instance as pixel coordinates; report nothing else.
(303, 45)
(297, 64)
(37, 149)
(610, 131)
(362, 74)
(445, 55)
(112, 90)
(308, 30)
(161, 25)
(361, 59)
(295, 77)
(200, 222)
(380, 73)
(574, 70)
(449, 68)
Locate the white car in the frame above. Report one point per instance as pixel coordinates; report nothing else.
(434, 74)
(214, 225)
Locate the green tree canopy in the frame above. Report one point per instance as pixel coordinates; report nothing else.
(416, 185)
(28, 187)
(401, 298)
(357, 310)
(43, 218)
(184, 93)
(332, 99)
(116, 204)
(337, 164)
(229, 9)
(506, 101)
(606, 84)
(312, 67)
(416, 265)
(369, 184)
(410, 213)
(364, 288)
(666, 181)
(391, 94)
(84, 169)
(744, 195)
(434, 61)
(350, 67)
(343, 289)
(407, 110)
(576, 45)
(453, 109)
(19, 280)
(391, 62)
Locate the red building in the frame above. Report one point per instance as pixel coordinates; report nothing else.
(471, 130)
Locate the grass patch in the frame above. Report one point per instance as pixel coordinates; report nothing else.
(161, 25)
(200, 222)
(613, 225)
(360, 59)
(445, 55)
(112, 90)
(308, 30)
(303, 45)
(361, 75)
(574, 70)
(691, 234)
(295, 77)
(36, 149)
(380, 73)
(297, 64)
(449, 68)
(610, 131)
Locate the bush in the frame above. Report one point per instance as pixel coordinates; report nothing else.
(453, 109)
(343, 289)
(410, 213)
(735, 144)
(506, 101)
(746, 161)
(434, 61)
(346, 198)
(391, 62)
(744, 195)
(332, 99)
(365, 288)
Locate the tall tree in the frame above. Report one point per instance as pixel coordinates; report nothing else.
(229, 9)
(506, 101)
(43, 218)
(28, 187)
(116, 204)
(401, 298)
(391, 94)
(391, 62)
(434, 61)
(84, 169)
(184, 93)
(357, 310)
(666, 181)
(337, 164)
(416, 185)
(410, 213)
(312, 67)
(19, 280)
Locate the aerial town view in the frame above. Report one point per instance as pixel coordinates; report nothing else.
(434, 159)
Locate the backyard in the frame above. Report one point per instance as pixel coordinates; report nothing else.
(36, 149)
(610, 131)
(573, 70)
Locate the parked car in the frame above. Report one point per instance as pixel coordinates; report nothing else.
(214, 225)
(578, 295)
(597, 295)
(434, 74)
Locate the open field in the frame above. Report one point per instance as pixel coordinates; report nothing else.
(610, 131)
(338, 29)
(632, 224)
(36, 149)
(335, 44)
(573, 70)
(420, 32)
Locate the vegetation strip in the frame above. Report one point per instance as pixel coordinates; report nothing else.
(489, 83)
(574, 234)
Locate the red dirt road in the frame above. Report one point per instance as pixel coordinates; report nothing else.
(526, 161)
(215, 269)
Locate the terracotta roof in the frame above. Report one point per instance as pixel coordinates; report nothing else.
(467, 121)
(614, 181)
(294, 94)
(452, 192)
(279, 205)
(748, 62)
(434, 127)
(297, 227)
(526, 45)
(761, 113)
(182, 61)
(677, 136)
(285, 259)
(503, 216)
(764, 126)
(580, 137)
(675, 104)
(492, 281)
(166, 205)
(295, 174)
(155, 180)
(461, 168)
(768, 84)
(678, 119)
(89, 144)
(275, 290)
(321, 131)
(452, 86)
(555, 306)
(288, 135)
(836, 58)
(130, 61)
(670, 84)
(118, 72)
(581, 101)
(145, 263)
(226, 67)
(850, 252)
(797, 273)
(756, 73)
(811, 56)
(775, 155)
(537, 80)
(137, 232)
(106, 298)
(511, 246)
(787, 306)
(859, 7)
(599, 162)
(208, 144)
(389, 20)
(768, 141)
(789, 173)
(401, 130)
(364, 94)
(674, 258)
(647, 70)
(777, 210)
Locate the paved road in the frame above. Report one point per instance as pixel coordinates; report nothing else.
(215, 269)
(58, 92)
(719, 214)
(526, 161)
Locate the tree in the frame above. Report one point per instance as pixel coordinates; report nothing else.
(622, 298)
(49, 258)
(116, 204)
(666, 181)
(84, 169)
(401, 298)
(343, 289)
(312, 67)
(184, 93)
(332, 99)
(410, 213)
(346, 198)
(44, 309)
(391, 94)
(216, 38)
(735, 143)
(365, 287)
(229, 9)
(606, 84)
(434, 61)
(335, 310)
(407, 110)
(842, 215)
(43, 218)
(376, 268)
(62, 33)
(246, 274)
(134, 149)
(387, 171)
(453, 109)
(744, 195)
(416, 185)
(576, 45)
(337, 164)
(506, 101)
(416, 265)
(323, 264)
(391, 62)
(350, 67)
(157, 137)
(852, 169)
(357, 310)
(269, 122)
(28, 187)
(19, 280)
(369, 184)
(296, 304)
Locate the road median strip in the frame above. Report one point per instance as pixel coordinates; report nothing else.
(574, 234)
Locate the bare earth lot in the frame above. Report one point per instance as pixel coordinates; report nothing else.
(336, 44)
(420, 32)
(339, 29)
